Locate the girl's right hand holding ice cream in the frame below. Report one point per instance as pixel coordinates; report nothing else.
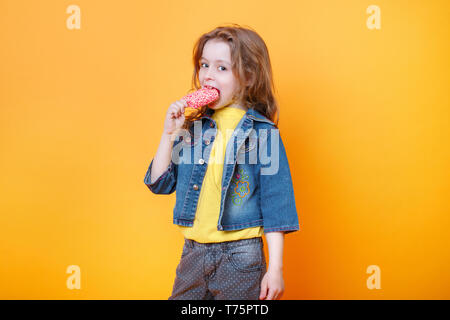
(174, 122)
(175, 114)
(175, 117)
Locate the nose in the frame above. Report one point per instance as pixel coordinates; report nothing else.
(209, 74)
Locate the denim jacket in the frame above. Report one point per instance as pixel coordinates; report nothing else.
(257, 188)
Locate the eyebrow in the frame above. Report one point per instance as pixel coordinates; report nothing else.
(216, 60)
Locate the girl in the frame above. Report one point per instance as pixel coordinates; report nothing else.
(230, 192)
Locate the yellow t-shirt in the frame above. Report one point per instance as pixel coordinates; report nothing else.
(208, 208)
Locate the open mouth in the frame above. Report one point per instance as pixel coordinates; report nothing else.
(211, 87)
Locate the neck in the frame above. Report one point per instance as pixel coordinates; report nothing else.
(237, 105)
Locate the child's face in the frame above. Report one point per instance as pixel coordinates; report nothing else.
(218, 73)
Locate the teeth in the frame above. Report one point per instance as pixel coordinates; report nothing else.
(211, 87)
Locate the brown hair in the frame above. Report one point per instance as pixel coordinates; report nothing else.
(250, 63)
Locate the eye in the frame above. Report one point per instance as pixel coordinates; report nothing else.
(204, 63)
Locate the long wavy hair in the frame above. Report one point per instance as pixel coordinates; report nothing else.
(250, 64)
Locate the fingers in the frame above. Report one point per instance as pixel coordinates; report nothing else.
(176, 109)
(271, 294)
(183, 104)
(263, 293)
(274, 294)
(268, 293)
(272, 287)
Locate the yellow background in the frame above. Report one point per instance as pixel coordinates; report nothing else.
(364, 118)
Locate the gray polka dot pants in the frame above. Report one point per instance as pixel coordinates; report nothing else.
(231, 270)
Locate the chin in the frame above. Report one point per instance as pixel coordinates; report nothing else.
(215, 105)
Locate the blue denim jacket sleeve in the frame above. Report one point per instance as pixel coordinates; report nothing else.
(277, 193)
(166, 183)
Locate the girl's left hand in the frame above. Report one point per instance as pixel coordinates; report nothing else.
(272, 285)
